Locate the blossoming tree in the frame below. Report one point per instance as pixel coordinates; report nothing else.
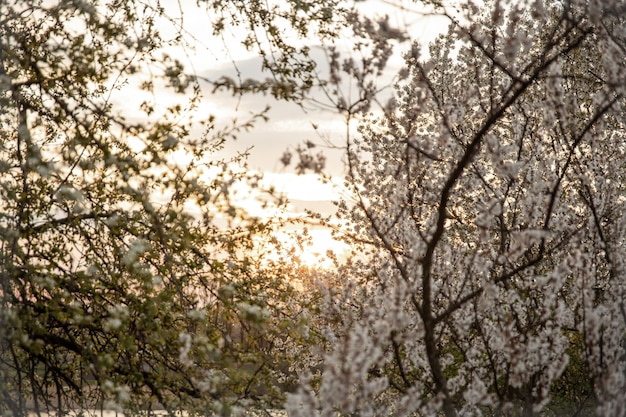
(130, 277)
(489, 226)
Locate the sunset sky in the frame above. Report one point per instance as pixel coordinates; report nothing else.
(289, 124)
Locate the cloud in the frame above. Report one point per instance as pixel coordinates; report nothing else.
(307, 187)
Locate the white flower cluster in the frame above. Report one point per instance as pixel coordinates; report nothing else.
(117, 315)
(136, 248)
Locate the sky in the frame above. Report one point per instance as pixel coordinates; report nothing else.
(289, 124)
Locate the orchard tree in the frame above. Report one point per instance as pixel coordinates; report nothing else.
(130, 277)
(489, 226)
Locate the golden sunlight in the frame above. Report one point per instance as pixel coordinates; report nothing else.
(315, 249)
(323, 250)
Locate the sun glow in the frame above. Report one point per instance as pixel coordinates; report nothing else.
(310, 246)
(323, 251)
(315, 249)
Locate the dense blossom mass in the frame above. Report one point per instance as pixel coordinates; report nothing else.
(490, 199)
(485, 209)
